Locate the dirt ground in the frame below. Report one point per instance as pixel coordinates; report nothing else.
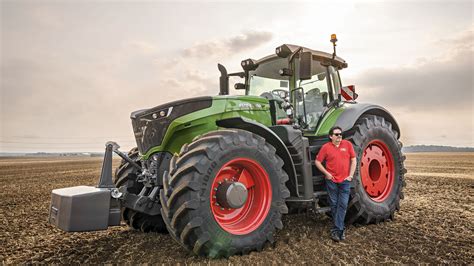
(435, 224)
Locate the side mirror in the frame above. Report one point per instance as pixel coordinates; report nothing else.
(240, 86)
(348, 93)
(306, 59)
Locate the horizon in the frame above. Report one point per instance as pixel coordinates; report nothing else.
(72, 72)
(101, 152)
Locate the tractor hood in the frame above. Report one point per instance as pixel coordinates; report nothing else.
(150, 125)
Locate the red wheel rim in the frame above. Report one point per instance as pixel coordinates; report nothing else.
(377, 170)
(251, 215)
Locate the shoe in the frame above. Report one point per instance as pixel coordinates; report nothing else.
(343, 235)
(335, 236)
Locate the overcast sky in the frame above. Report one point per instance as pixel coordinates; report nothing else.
(73, 71)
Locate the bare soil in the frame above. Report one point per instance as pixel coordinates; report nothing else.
(435, 224)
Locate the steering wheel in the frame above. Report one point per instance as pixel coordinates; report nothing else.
(280, 93)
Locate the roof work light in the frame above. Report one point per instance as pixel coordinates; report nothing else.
(333, 40)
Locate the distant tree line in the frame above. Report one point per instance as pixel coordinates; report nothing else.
(436, 148)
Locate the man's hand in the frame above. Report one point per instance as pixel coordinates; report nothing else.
(349, 178)
(329, 177)
(321, 168)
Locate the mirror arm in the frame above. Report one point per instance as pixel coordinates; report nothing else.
(292, 56)
(237, 74)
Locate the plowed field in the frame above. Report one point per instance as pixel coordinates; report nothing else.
(435, 224)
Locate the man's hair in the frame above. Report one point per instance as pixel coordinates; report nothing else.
(331, 131)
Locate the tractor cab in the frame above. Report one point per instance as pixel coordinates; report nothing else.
(301, 83)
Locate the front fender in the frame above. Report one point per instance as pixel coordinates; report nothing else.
(270, 137)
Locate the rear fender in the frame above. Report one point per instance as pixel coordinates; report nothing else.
(347, 115)
(352, 112)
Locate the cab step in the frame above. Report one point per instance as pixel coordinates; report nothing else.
(322, 210)
(319, 194)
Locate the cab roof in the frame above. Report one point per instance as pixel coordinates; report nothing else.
(317, 55)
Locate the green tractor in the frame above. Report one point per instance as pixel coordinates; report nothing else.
(219, 172)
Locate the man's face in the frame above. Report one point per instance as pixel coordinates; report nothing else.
(336, 136)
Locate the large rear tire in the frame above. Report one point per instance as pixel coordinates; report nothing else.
(126, 175)
(378, 184)
(192, 193)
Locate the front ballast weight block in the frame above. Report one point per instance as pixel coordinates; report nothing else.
(83, 208)
(86, 208)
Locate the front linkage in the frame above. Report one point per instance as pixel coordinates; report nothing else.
(86, 208)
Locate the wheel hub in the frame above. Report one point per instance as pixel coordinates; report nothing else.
(241, 196)
(377, 170)
(231, 195)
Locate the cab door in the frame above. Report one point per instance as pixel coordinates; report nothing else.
(312, 96)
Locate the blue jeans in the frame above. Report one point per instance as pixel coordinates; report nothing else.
(338, 196)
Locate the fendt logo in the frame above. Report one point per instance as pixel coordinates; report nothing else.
(251, 106)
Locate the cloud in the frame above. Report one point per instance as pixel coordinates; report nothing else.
(248, 41)
(206, 85)
(441, 82)
(192, 84)
(433, 95)
(204, 81)
(144, 47)
(233, 45)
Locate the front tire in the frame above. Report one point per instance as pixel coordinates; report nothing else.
(379, 180)
(191, 195)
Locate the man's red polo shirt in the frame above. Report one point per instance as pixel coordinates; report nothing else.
(337, 159)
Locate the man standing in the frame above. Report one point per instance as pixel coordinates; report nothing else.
(341, 162)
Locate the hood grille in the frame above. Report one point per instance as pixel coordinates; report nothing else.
(150, 126)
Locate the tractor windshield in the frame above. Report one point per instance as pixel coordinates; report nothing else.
(267, 79)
